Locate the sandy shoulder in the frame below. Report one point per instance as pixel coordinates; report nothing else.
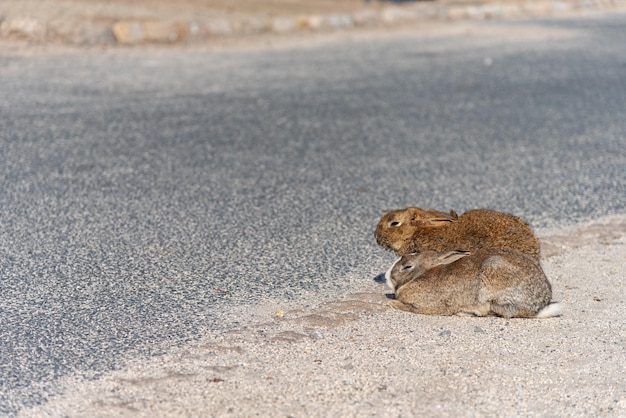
(357, 357)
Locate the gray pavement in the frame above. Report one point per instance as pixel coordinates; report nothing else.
(147, 196)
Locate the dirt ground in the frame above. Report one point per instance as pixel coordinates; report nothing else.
(118, 22)
(112, 9)
(181, 8)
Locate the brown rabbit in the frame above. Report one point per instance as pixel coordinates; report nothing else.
(414, 230)
(500, 281)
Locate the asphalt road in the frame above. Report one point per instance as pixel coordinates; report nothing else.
(145, 194)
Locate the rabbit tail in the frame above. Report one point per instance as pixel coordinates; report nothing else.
(553, 309)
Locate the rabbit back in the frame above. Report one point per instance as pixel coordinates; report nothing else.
(513, 283)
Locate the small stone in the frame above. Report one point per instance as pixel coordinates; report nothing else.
(317, 335)
(128, 32)
(195, 29)
(310, 22)
(23, 28)
(163, 32)
(478, 329)
(445, 333)
(338, 21)
(80, 33)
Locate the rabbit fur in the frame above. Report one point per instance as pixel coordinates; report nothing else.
(492, 281)
(414, 230)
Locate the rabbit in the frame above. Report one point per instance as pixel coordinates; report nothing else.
(489, 281)
(414, 230)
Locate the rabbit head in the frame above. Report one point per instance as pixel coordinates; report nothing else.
(396, 228)
(414, 265)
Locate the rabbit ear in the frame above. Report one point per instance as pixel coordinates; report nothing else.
(431, 213)
(430, 218)
(434, 223)
(448, 257)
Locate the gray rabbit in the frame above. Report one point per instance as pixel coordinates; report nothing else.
(488, 281)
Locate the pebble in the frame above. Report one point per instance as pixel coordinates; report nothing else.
(317, 335)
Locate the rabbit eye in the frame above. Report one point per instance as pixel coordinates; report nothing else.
(407, 267)
(394, 223)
